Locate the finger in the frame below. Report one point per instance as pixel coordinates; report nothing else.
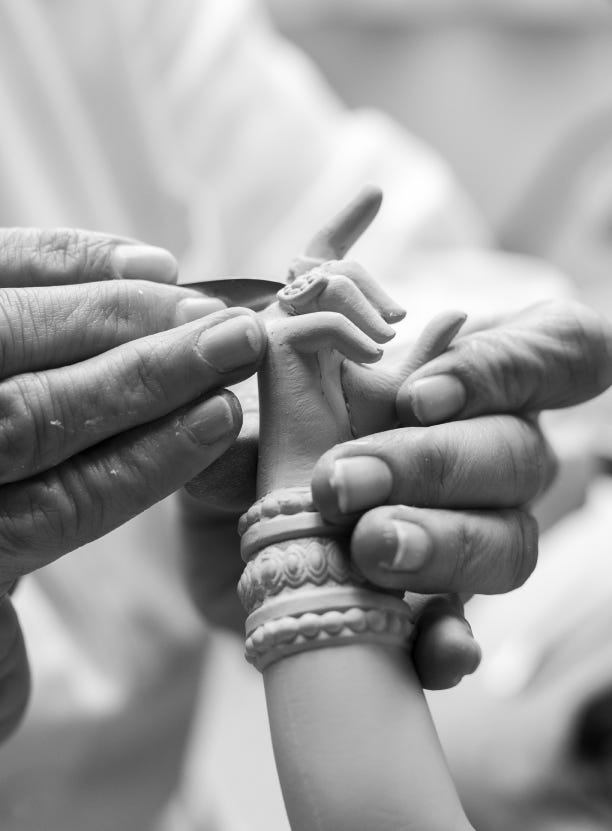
(316, 291)
(373, 395)
(98, 490)
(343, 296)
(487, 462)
(435, 339)
(551, 355)
(52, 415)
(430, 551)
(390, 311)
(444, 649)
(335, 238)
(328, 330)
(227, 487)
(14, 670)
(52, 257)
(51, 326)
(212, 571)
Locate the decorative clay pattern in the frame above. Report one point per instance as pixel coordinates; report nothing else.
(292, 565)
(276, 639)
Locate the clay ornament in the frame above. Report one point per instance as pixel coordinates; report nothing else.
(355, 746)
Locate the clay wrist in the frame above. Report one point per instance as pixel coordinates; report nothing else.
(300, 589)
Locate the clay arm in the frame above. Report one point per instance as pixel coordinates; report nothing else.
(354, 743)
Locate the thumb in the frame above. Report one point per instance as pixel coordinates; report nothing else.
(551, 355)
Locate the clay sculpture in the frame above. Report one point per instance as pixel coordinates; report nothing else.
(354, 743)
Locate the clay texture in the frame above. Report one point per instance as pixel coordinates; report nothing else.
(353, 739)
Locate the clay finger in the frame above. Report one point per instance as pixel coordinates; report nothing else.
(330, 330)
(390, 311)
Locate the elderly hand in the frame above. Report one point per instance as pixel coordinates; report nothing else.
(453, 519)
(111, 398)
(452, 496)
(443, 505)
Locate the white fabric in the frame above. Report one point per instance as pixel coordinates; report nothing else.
(552, 13)
(186, 124)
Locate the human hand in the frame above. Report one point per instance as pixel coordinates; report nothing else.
(110, 399)
(444, 648)
(454, 494)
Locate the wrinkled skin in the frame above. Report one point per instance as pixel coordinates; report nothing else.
(464, 482)
(108, 396)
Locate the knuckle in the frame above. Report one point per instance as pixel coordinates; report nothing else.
(35, 525)
(12, 334)
(493, 367)
(59, 254)
(20, 430)
(70, 251)
(118, 306)
(53, 253)
(62, 510)
(140, 372)
(15, 253)
(520, 464)
(428, 469)
(467, 555)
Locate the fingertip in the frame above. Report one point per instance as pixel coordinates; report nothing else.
(194, 308)
(214, 421)
(144, 262)
(445, 650)
(343, 486)
(430, 400)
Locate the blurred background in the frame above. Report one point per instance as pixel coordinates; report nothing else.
(516, 96)
(493, 141)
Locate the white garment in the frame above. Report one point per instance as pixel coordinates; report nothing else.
(189, 125)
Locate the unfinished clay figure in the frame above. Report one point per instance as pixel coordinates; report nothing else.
(354, 743)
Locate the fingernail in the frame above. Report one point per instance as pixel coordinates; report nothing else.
(144, 262)
(234, 343)
(412, 547)
(385, 331)
(360, 482)
(393, 314)
(436, 398)
(210, 422)
(193, 308)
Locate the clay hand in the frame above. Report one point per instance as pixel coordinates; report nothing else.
(110, 399)
(453, 495)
